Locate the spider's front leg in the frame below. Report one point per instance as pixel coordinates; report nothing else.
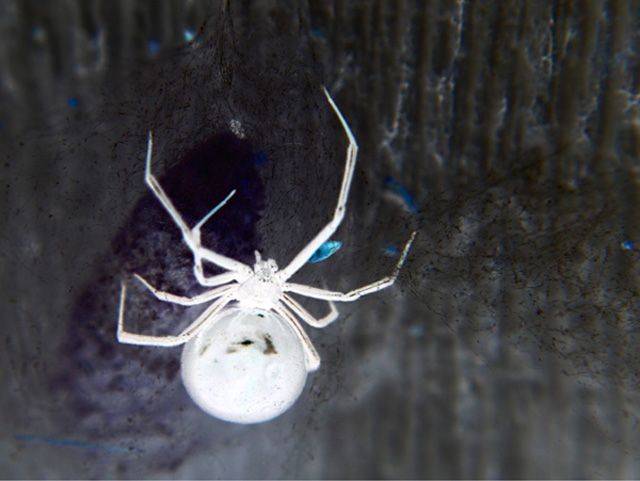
(192, 236)
(338, 214)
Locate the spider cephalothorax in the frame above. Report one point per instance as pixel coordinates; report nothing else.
(265, 270)
(225, 369)
(263, 288)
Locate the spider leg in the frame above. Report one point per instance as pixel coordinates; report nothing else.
(196, 238)
(197, 264)
(190, 301)
(338, 214)
(193, 329)
(312, 359)
(327, 295)
(191, 239)
(306, 316)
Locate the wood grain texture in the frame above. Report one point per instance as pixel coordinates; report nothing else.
(508, 347)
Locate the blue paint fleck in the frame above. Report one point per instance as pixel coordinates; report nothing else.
(74, 443)
(325, 251)
(261, 158)
(73, 102)
(417, 330)
(391, 250)
(188, 35)
(153, 46)
(316, 32)
(628, 245)
(397, 188)
(38, 33)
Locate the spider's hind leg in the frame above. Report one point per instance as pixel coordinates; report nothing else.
(312, 358)
(307, 317)
(208, 315)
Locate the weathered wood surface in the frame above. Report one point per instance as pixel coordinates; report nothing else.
(508, 347)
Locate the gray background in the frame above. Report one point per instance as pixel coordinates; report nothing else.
(508, 347)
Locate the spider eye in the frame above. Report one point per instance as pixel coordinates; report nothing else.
(272, 265)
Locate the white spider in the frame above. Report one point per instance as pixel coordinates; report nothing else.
(248, 361)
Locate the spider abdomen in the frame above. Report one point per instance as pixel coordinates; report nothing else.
(247, 367)
(248, 363)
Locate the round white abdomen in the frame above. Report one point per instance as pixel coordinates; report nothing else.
(248, 367)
